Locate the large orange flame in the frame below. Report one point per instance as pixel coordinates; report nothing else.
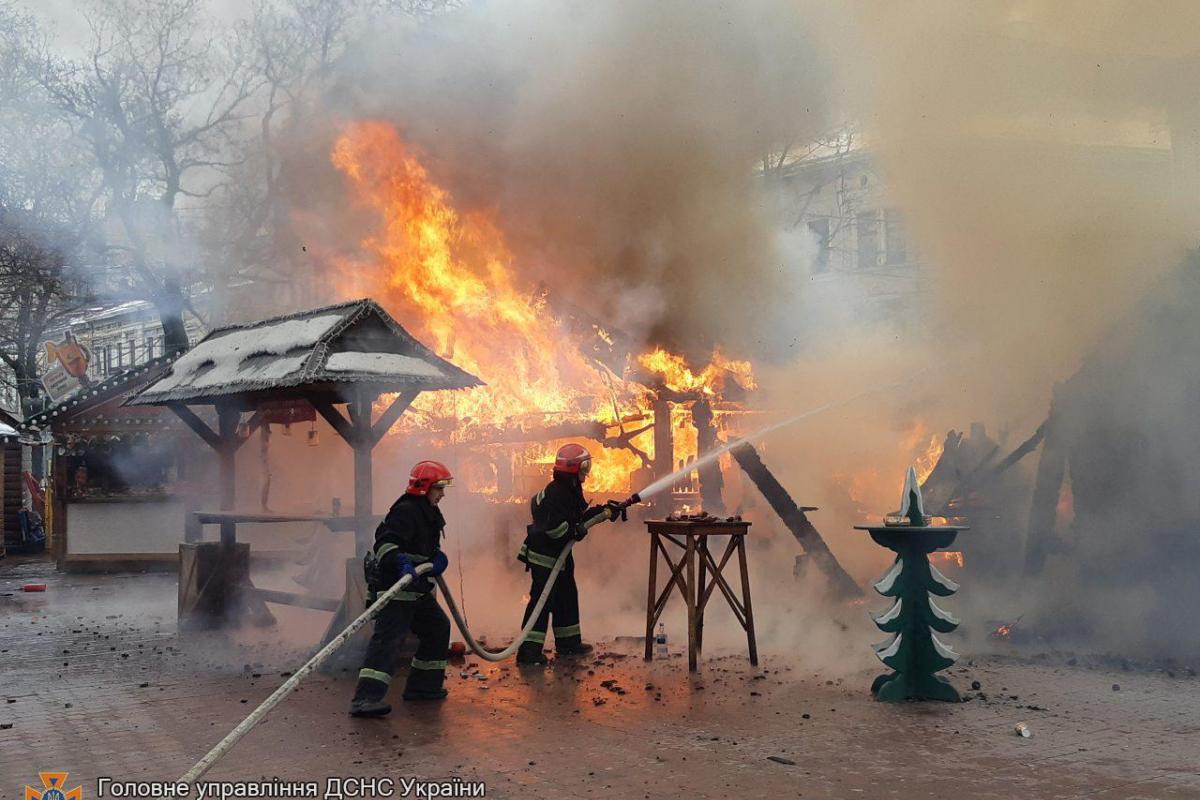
(451, 279)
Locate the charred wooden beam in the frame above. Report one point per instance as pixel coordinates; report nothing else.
(1025, 448)
(712, 484)
(1043, 511)
(983, 473)
(795, 520)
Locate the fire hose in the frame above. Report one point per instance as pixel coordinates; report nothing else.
(222, 747)
(256, 716)
(620, 508)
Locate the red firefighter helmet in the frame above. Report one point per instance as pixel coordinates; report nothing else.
(426, 475)
(573, 459)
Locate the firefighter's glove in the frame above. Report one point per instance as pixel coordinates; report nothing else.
(440, 562)
(404, 566)
(615, 510)
(598, 511)
(580, 532)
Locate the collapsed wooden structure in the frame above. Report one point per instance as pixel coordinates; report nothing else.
(350, 355)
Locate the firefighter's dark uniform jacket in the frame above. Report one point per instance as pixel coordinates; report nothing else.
(559, 512)
(413, 528)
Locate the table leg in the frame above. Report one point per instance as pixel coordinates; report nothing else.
(690, 595)
(746, 600)
(700, 596)
(650, 596)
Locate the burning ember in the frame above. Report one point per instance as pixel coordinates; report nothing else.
(451, 278)
(1005, 631)
(948, 556)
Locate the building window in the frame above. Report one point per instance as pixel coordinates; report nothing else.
(819, 229)
(895, 237)
(867, 225)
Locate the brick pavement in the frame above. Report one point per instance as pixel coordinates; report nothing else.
(75, 659)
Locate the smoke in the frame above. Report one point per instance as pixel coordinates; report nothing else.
(1045, 157)
(617, 144)
(1040, 152)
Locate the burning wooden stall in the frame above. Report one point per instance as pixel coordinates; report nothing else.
(1115, 491)
(120, 476)
(349, 354)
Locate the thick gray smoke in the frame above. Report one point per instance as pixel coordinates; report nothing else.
(617, 141)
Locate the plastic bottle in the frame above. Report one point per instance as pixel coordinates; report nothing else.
(660, 641)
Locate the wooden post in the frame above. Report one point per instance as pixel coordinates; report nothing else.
(700, 599)
(690, 594)
(712, 484)
(747, 607)
(227, 423)
(364, 487)
(664, 448)
(650, 598)
(56, 502)
(1043, 511)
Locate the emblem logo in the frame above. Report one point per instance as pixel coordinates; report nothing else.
(52, 788)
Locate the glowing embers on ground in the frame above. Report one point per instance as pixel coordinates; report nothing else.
(452, 280)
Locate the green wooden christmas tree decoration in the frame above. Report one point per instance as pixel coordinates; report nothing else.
(914, 652)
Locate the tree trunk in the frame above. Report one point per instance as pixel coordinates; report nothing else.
(169, 303)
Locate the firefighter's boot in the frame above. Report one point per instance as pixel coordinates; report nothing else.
(531, 653)
(368, 695)
(573, 649)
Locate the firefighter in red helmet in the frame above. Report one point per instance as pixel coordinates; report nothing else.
(410, 534)
(559, 514)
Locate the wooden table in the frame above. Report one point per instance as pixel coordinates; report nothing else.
(691, 537)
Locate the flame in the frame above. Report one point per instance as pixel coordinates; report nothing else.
(873, 488)
(675, 373)
(949, 556)
(928, 458)
(451, 279)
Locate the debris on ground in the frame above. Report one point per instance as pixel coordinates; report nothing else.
(1022, 730)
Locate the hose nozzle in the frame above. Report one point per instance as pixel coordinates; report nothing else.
(622, 506)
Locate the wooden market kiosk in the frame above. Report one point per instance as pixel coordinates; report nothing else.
(120, 476)
(348, 355)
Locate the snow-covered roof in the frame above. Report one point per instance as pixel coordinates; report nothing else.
(317, 350)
